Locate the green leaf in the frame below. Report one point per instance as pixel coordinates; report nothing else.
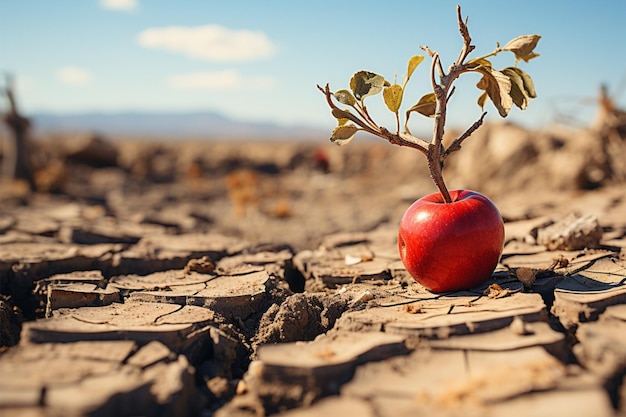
(364, 84)
(343, 115)
(393, 97)
(518, 93)
(343, 135)
(523, 47)
(345, 97)
(498, 88)
(426, 106)
(414, 61)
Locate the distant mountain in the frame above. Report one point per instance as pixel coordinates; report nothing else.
(166, 125)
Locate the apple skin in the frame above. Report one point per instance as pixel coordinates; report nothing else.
(453, 246)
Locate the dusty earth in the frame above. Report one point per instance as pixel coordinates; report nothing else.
(247, 279)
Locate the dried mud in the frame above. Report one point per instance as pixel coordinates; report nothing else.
(249, 279)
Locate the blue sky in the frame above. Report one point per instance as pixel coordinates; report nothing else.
(261, 60)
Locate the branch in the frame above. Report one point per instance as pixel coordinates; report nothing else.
(8, 91)
(456, 144)
(393, 138)
(441, 100)
(408, 141)
(467, 39)
(434, 55)
(362, 110)
(452, 90)
(326, 91)
(435, 148)
(436, 63)
(416, 143)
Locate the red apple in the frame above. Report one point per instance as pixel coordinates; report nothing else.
(451, 246)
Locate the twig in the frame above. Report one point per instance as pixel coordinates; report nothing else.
(400, 139)
(456, 144)
(467, 39)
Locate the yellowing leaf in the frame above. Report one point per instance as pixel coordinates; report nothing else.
(482, 100)
(364, 84)
(341, 114)
(518, 93)
(528, 57)
(345, 97)
(343, 135)
(414, 61)
(523, 46)
(393, 97)
(528, 86)
(498, 88)
(479, 62)
(427, 105)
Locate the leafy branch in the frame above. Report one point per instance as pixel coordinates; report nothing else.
(505, 88)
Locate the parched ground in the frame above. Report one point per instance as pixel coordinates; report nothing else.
(249, 279)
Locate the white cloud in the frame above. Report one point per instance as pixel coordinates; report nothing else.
(74, 76)
(210, 42)
(220, 80)
(122, 5)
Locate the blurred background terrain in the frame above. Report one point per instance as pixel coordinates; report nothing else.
(294, 190)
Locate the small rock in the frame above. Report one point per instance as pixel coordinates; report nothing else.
(574, 232)
(202, 265)
(526, 276)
